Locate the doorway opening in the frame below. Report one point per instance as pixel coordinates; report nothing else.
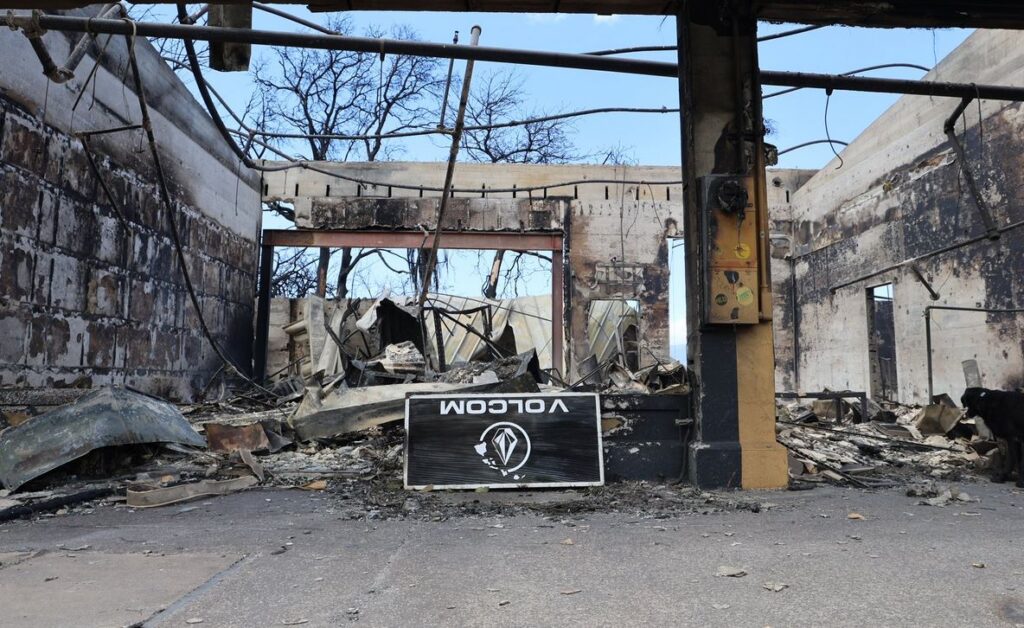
(882, 343)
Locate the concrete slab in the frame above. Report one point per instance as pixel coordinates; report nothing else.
(308, 560)
(88, 588)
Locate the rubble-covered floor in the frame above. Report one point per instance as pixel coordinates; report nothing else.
(286, 557)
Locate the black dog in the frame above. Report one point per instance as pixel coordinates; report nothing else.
(1003, 413)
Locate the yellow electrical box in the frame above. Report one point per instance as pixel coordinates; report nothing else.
(730, 240)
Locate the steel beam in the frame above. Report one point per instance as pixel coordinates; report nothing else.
(486, 240)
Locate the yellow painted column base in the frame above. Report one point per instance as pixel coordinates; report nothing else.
(765, 466)
(764, 460)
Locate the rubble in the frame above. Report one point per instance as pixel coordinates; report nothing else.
(898, 443)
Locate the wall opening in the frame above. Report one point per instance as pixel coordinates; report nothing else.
(613, 329)
(882, 343)
(677, 299)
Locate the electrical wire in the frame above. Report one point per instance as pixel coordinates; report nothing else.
(828, 99)
(165, 196)
(623, 51)
(205, 95)
(634, 49)
(812, 143)
(795, 31)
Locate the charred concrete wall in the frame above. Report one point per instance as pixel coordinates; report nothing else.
(782, 187)
(617, 236)
(899, 197)
(85, 299)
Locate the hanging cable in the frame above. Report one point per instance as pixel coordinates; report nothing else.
(205, 95)
(812, 143)
(624, 51)
(147, 125)
(635, 49)
(795, 31)
(828, 99)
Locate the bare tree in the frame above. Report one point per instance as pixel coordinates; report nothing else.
(318, 92)
(499, 97)
(294, 274)
(328, 92)
(406, 96)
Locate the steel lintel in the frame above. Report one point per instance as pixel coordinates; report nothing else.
(486, 240)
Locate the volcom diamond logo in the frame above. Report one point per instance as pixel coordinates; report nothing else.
(504, 447)
(505, 442)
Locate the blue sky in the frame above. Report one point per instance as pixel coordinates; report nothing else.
(651, 139)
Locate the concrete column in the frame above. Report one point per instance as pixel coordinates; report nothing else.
(722, 134)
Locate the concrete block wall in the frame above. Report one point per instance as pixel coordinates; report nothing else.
(85, 300)
(899, 196)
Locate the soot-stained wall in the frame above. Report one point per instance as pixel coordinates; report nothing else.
(85, 299)
(898, 197)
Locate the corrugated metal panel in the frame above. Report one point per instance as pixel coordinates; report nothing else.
(606, 323)
(529, 318)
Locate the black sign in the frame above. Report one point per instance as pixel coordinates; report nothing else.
(503, 441)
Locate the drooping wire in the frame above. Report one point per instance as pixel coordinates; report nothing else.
(633, 49)
(828, 99)
(811, 143)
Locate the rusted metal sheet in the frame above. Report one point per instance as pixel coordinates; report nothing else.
(227, 438)
(104, 418)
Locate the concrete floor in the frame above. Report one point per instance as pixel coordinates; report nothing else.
(272, 558)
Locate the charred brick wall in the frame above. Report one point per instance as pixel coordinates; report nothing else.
(85, 299)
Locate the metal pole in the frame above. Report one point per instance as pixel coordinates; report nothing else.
(263, 313)
(453, 153)
(447, 86)
(928, 348)
(500, 55)
(558, 313)
(965, 168)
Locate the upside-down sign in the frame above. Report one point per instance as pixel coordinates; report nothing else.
(503, 441)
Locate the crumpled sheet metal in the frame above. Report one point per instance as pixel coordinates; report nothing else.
(104, 418)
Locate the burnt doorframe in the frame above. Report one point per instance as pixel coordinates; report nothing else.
(551, 241)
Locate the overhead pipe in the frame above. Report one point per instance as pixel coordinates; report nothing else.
(65, 72)
(499, 55)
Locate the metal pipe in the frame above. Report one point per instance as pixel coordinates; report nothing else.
(453, 153)
(259, 358)
(447, 86)
(891, 86)
(502, 55)
(952, 308)
(945, 249)
(288, 16)
(347, 43)
(928, 348)
(65, 72)
(965, 168)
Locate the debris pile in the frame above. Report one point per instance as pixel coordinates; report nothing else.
(882, 446)
(331, 417)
